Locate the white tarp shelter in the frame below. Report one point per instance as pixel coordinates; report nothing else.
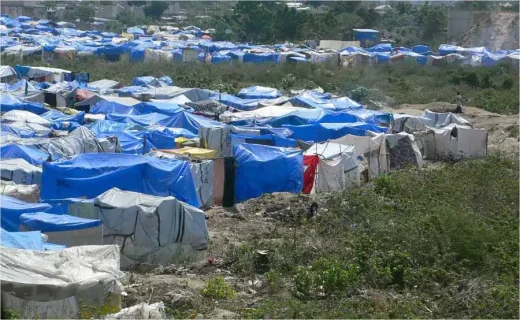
(338, 167)
(453, 142)
(55, 284)
(20, 171)
(148, 229)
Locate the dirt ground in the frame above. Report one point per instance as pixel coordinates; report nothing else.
(179, 285)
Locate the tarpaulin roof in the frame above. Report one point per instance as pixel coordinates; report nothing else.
(319, 132)
(33, 156)
(11, 102)
(30, 240)
(89, 175)
(108, 126)
(142, 119)
(258, 92)
(48, 222)
(167, 108)
(263, 169)
(107, 107)
(12, 208)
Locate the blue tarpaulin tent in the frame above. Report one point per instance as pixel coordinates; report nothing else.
(108, 107)
(236, 102)
(11, 102)
(365, 34)
(22, 133)
(167, 108)
(33, 156)
(90, 174)
(264, 139)
(261, 57)
(264, 169)
(48, 222)
(12, 208)
(319, 132)
(30, 240)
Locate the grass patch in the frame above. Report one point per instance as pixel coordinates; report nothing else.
(512, 131)
(494, 89)
(415, 244)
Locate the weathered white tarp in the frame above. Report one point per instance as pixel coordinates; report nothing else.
(55, 284)
(20, 171)
(148, 229)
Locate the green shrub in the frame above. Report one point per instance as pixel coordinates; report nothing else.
(218, 289)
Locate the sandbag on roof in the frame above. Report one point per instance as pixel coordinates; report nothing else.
(263, 169)
(12, 208)
(89, 175)
(151, 227)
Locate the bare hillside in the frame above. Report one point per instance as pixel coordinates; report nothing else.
(498, 30)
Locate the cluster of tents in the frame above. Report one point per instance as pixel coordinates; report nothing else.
(97, 176)
(24, 36)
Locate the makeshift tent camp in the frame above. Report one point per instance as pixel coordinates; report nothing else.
(263, 169)
(89, 175)
(12, 208)
(56, 284)
(107, 107)
(63, 229)
(149, 229)
(20, 171)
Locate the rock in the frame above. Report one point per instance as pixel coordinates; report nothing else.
(183, 300)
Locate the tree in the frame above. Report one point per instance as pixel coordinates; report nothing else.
(155, 9)
(83, 12)
(433, 21)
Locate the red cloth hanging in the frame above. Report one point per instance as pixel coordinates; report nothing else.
(311, 162)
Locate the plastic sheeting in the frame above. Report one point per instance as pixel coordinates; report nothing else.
(320, 132)
(31, 155)
(89, 175)
(55, 284)
(12, 208)
(149, 229)
(20, 171)
(48, 222)
(108, 107)
(167, 108)
(10, 102)
(258, 92)
(264, 169)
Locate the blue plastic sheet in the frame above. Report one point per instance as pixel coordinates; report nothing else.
(263, 139)
(33, 156)
(109, 127)
(167, 108)
(58, 116)
(261, 58)
(236, 102)
(420, 48)
(12, 208)
(129, 91)
(381, 47)
(108, 107)
(22, 133)
(135, 30)
(320, 132)
(31, 240)
(167, 80)
(90, 174)
(48, 222)
(10, 102)
(142, 119)
(263, 169)
(258, 92)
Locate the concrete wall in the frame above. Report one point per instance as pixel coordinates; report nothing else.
(459, 21)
